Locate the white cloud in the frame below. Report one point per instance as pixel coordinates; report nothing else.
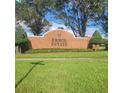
(56, 26)
(26, 28)
(89, 30)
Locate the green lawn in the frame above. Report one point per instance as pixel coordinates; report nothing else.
(97, 54)
(84, 76)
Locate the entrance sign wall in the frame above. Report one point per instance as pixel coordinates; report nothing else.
(58, 39)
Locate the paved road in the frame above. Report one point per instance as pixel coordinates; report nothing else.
(60, 58)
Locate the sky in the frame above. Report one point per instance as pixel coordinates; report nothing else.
(91, 27)
(89, 30)
(57, 22)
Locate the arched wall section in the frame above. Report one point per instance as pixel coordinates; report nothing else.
(58, 39)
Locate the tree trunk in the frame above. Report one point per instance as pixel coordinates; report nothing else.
(19, 49)
(83, 26)
(83, 30)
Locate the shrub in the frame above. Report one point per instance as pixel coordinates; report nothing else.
(96, 38)
(21, 40)
(105, 42)
(57, 50)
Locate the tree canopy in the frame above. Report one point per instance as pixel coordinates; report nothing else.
(20, 36)
(32, 13)
(75, 13)
(96, 38)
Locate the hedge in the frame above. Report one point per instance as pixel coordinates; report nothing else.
(57, 50)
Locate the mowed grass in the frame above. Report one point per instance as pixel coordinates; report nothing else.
(95, 54)
(68, 76)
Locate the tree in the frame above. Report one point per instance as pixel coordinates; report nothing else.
(96, 38)
(105, 41)
(95, 41)
(20, 39)
(77, 12)
(32, 12)
(104, 20)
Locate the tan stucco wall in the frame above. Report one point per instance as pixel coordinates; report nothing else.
(58, 39)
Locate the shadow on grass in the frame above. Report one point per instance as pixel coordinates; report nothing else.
(29, 71)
